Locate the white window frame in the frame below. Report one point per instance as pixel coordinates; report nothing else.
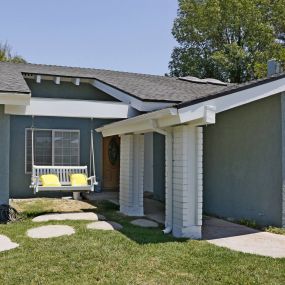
(52, 142)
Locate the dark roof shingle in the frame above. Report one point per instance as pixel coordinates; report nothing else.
(143, 86)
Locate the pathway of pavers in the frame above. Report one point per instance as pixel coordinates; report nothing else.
(50, 231)
(87, 216)
(144, 223)
(6, 243)
(103, 225)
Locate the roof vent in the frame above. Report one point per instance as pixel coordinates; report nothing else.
(192, 79)
(203, 81)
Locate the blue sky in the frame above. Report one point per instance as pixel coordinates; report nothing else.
(127, 35)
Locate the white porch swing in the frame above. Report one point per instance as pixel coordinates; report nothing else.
(63, 173)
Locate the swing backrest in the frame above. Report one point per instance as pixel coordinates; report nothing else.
(63, 172)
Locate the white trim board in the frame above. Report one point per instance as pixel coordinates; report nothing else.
(14, 98)
(128, 99)
(155, 121)
(71, 108)
(233, 100)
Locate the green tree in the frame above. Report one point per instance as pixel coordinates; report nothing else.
(230, 40)
(6, 54)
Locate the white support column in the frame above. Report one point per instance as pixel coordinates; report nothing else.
(168, 180)
(187, 181)
(131, 175)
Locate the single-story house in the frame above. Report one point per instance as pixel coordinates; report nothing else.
(200, 145)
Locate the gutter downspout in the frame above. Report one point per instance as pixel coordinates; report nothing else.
(168, 181)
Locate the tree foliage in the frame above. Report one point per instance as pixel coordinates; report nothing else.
(230, 40)
(6, 54)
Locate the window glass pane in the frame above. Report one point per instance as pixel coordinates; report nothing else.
(66, 147)
(42, 148)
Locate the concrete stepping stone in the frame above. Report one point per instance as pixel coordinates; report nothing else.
(50, 231)
(88, 216)
(144, 223)
(103, 225)
(6, 243)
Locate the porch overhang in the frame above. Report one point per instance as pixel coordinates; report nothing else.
(157, 120)
(71, 108)
(13, 98)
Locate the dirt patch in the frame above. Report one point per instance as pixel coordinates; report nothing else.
(50, 205)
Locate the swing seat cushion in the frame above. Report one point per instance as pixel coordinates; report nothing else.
(78, 179)
(50, 180)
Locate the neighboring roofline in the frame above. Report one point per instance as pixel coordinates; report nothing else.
(235, 89)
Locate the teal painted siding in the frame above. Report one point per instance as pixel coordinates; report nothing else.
(19, 181)
(4, 156)
(67, 90)
(242, 163)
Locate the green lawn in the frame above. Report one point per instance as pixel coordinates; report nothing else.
(132, 256)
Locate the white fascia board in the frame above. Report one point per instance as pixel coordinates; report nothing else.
(38, 78)
(143, 123)
(15, 98)
(128, 99)
(71, 108)
(232, 100)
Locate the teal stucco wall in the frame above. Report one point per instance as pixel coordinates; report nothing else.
(19, 181)
(159, 167)
(242, 163)
(67, 90)
(4, 156)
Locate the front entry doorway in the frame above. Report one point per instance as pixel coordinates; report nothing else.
(111, 163)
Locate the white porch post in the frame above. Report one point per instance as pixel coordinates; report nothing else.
(168, 180)
(187, 181)
(131, 175)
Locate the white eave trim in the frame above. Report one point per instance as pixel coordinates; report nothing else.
(154, 121)
(71, 108)
(10, 98)
(233, 100)
(137, 104)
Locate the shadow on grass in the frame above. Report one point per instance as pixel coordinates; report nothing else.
(135, 233)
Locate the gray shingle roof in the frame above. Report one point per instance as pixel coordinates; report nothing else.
(232, 89)
(143, 86)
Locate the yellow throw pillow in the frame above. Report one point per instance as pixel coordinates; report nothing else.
(50, 180)
(78, 179)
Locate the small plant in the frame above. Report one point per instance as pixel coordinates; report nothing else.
(248, 223)
(275, 230)
(8, 214)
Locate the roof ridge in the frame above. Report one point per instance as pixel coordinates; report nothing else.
(84, 68)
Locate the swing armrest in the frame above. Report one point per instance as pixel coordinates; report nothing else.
(35, 181)
(93, 180)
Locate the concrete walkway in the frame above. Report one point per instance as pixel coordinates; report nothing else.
(6, 243)
(240, 238)
(87, 216)
(105, 226)
(50, 231)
